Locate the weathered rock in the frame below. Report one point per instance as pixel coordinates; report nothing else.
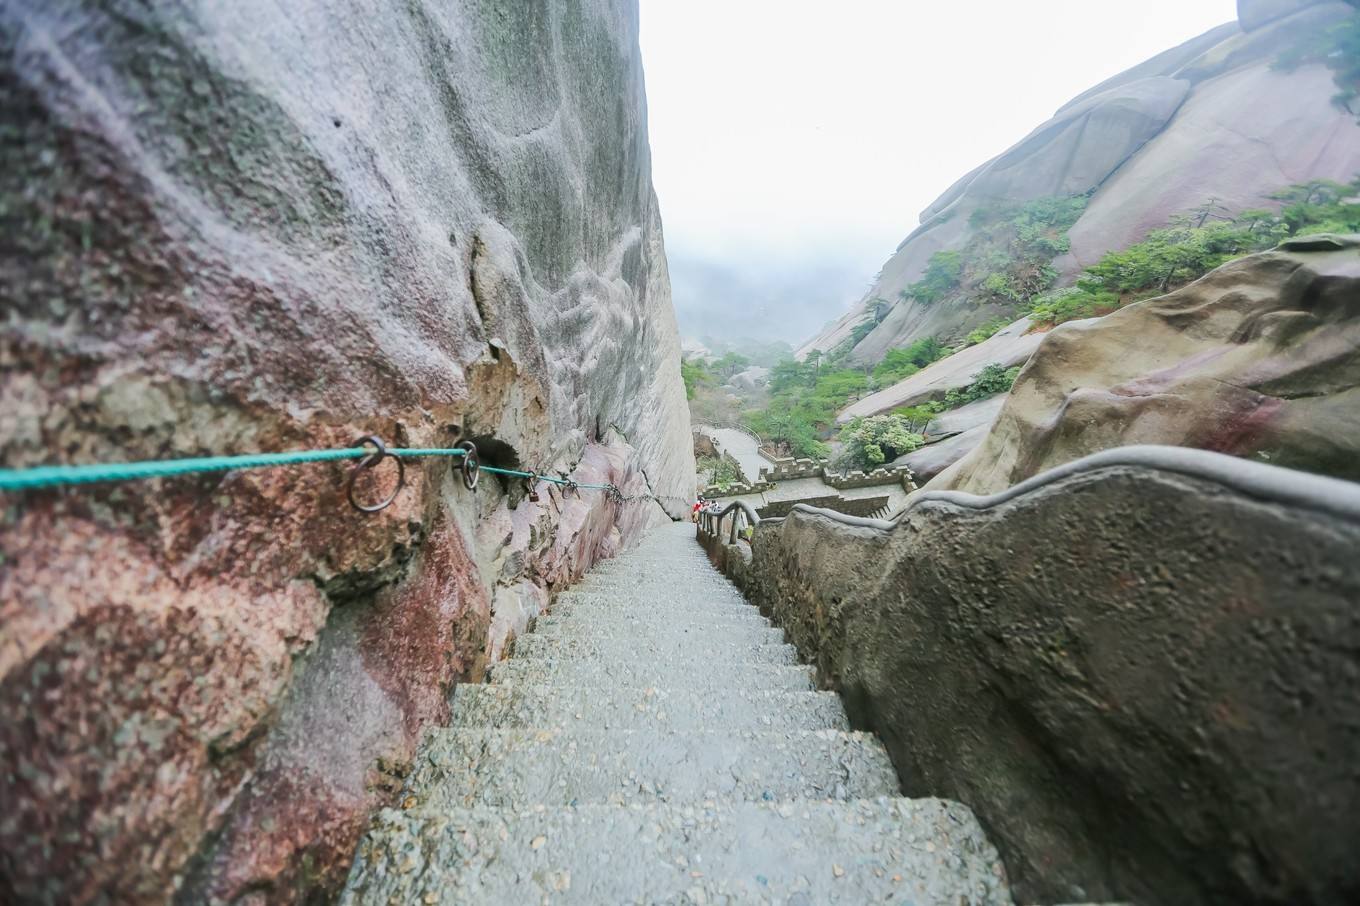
(950, 436)
(932, 459)
(1260, 358)
(263, 226)
(1012, 345)
(1296, 134)
(1138, 670)
(752, 378)
(1209, 120)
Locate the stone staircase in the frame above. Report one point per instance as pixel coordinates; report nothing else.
(654, 741)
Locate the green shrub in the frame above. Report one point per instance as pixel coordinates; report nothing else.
(991, 380)
(695, 374)
(904, 361)
(870, 442)
(721, 471)
(1338, 48)
(984, 332)
(941, 276)
(1070, 304)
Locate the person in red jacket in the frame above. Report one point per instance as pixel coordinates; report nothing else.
(694, 513)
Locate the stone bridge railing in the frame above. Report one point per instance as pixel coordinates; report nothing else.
(1141, 670)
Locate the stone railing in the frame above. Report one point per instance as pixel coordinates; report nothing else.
(1138, 669)
(879, 476)
(767, 453)
(858, 506)
(737, 489)
(788, 470)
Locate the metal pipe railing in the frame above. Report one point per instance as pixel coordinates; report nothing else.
(710, 523)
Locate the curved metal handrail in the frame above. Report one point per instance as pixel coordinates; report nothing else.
(1268, 483)
(710, 523)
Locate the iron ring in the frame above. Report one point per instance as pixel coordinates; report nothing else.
(371, 461)
(472, 466)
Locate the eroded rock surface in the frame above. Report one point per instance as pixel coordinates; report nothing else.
(1213, 119)
(1260, 358)
(262, 226)
(1138, 671)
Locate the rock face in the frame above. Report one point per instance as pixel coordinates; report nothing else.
(1211, 119)
(950, 436)
(262, 226)
(1012, 345)
(1260, 358)
(1137, 670)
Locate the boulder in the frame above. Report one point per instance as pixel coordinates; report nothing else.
(1259, 359)
(950, 436)
(1210, 120)
(1010, 346)
(932, 459)
(265, 226)
(752, 378)
(1295, 131)
(978, 414)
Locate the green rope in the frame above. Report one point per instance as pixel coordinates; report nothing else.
(516, 472)
(52, 476)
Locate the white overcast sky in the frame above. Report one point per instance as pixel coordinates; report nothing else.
(794, 143)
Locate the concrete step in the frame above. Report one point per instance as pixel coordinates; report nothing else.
(672, 597)
(593, 674)
(683, 649)
(564, 614)
(678, 578)
(657, 606)
(614, 612)
(688, 632)
(923, 851)
(553, 707)
(513, 768)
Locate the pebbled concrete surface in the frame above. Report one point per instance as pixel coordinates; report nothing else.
(669, 710)
(924, 851)
(521, 767)
(644, 751)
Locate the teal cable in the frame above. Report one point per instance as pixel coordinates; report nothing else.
(51, 476)
(516, 472)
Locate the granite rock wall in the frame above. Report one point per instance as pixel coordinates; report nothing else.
(263, 226)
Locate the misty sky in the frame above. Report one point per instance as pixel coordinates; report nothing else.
(794, 143)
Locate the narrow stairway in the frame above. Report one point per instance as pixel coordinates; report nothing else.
(654, 740)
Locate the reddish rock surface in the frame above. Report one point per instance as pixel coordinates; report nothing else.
(269, 227)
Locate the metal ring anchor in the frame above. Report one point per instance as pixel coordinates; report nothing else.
(531, 485)
(472, 466)
(371, 461)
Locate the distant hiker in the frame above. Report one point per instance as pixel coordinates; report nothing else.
(694, 513)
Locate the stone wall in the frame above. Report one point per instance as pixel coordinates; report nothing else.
(737, 489)
(861, 479)
(231, 227)
(1139, 669)
(858, 506)
(788, 470)
(780, 508)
